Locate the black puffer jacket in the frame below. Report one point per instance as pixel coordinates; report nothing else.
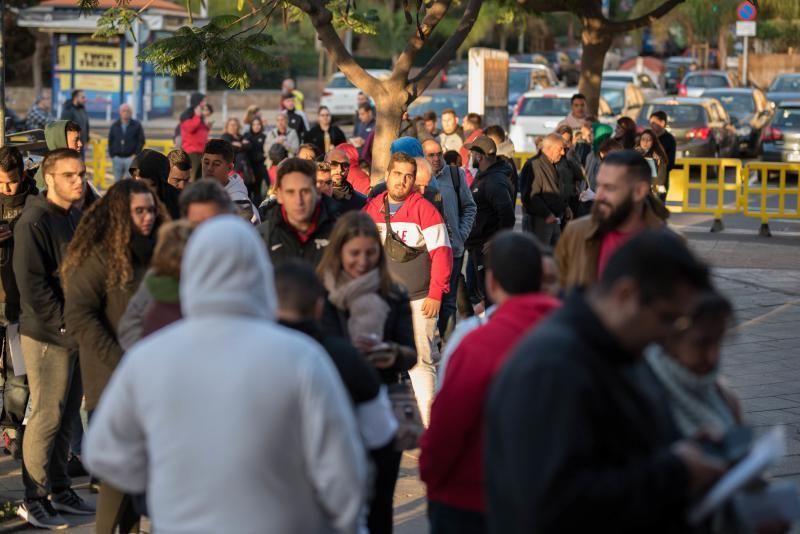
(282, 241)
(10, 211)
(41, 236)
(494, 197)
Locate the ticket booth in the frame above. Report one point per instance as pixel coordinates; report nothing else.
(106, 70)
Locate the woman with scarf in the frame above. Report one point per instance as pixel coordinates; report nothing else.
(365, 306)
(104, 264)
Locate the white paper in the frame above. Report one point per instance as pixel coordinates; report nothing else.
(15, 349)
(765, 452)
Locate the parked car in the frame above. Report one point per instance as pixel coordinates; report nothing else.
(456, 75)
(784, 87)
(524, 77)
(560, 62)
(701, 126)
(782, 137)
(539, 112)
(624, 99)
(750, 112)
(677, 67)
(648, 86)
(438, 100)
(340, 95)
(695, 82)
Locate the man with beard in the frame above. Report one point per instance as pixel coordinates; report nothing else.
(623, 207)
(343, 192)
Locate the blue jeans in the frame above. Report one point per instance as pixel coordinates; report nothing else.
(120, 167)
(447, 313)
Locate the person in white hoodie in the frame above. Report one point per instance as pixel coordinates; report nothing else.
(217, 163)
(293, 460)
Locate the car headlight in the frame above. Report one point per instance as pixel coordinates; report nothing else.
(744, 130)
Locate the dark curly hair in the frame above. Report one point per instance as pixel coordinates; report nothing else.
(106, 227)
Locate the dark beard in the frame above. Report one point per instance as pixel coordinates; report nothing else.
(614, 219)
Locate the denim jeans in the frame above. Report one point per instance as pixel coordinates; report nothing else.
(120, 166)
(13, 388)
(447, 314)
(547, 233)
(423, 375)
(56, 391)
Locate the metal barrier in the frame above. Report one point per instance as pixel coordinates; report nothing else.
(756, 176)
(100, 163)
(708, 185)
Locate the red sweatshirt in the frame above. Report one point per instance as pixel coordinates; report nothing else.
(474, 134)
(194, 135)
(419, 225)
(451, 459)
(357, 178)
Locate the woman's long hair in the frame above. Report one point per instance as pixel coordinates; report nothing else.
(349, 226)
(657, 148)
(107, 228)
(628, 138)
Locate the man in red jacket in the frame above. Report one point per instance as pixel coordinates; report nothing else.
(451, 460)
(194, 129)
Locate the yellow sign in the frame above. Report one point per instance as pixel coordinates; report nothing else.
(94, 57)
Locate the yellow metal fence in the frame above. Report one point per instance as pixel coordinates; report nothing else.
(100, 164)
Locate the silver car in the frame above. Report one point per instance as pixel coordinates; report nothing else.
(781, 139)
(695, 83)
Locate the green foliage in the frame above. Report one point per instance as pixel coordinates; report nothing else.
(115, 21)
(784, 34)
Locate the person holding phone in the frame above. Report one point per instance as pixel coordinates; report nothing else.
(365, 306)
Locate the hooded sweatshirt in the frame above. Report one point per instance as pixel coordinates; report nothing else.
(155, 166)
(194, 130)
(226, 364)
(357, 178)
(237, 190)
(55, 135)
(77, 114)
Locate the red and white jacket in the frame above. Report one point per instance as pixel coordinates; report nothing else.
(419, 225)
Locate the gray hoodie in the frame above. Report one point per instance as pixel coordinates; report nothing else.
(291, 459)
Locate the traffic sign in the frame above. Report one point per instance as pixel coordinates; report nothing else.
(745, 28)
(746, 11)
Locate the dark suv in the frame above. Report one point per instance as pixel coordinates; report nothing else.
(782, 137)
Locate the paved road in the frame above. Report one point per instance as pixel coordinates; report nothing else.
(761, 360)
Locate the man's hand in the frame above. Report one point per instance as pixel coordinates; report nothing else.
(430, 308)
(551, 219)
(357, 142)
(703, 470)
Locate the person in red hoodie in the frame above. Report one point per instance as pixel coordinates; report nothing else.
(357, 178)
(472, 130)
(451, 459)
(194, 130)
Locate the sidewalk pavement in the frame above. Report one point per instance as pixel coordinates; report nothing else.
(761, 361)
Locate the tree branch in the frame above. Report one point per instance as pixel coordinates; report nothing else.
(448, 50)
(628, 25)
(322, 20)
(433, 15)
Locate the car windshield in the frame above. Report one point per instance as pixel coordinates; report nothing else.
(459, 67)
(618, 78)
(787, 118)
(543, 106)
(615, 99)
(678, 115)
(706, 80)
(739, 105)
(437, 104)
(340, 82)
(519, 80)
(788, 84)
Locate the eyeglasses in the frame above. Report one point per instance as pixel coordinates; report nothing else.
(341, 164)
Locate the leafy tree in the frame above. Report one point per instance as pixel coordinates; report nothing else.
(231, 45)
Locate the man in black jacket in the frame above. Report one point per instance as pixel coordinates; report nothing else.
(542, 191)
(298, 225)
(14, 191)
(75, 111)
(41, 236)
(494, 198)
(325, 135)
(658, 122)
(343, 192)
(125, 140)
(578, 439)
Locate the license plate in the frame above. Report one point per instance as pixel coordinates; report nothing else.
(793, 157)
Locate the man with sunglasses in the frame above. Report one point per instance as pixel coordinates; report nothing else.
(579, 438)
(343, 191)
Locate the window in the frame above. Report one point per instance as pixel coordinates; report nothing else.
(679, 115)
(787, 118)
(647, 82)
(542, 106)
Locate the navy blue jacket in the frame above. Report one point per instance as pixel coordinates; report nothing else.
(127, 144)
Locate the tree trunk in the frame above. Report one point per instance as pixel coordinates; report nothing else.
(596, 42)
(722, 46)
(390, 107)
(503, 37)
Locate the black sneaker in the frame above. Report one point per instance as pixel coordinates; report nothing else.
(75, 467)
(40, 513)
(70, 502)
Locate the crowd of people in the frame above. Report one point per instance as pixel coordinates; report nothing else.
(314, 330)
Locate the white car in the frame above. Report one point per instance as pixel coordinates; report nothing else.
(340, 95)
(538, 113)
(524, 77)
(646, 83)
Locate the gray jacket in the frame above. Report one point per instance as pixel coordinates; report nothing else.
(458, 224)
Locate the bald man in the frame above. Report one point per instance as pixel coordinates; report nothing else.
(543, 195)
(125, 140)
(343, 192)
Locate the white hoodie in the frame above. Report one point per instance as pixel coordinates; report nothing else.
(230, 422)
(237, 190)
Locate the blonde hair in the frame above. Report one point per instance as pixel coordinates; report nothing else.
(250, 113)
(167, 256)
